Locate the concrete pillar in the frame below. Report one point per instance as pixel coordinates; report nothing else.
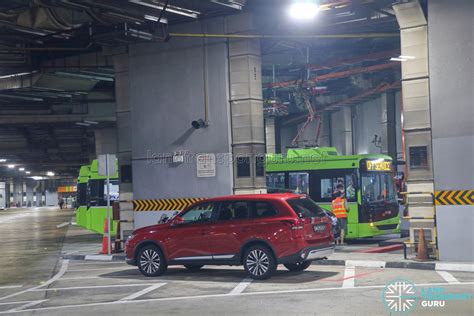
(452, 114)
(124, 141)
(341, 131)
(246, 103)
(270, 135)
(416, 119)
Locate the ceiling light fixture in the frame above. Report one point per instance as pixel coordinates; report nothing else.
(11, 166)
(398, 59)
(3, 160)
(303, 10)
(27, 172)
(82, 124)
(50, 174)
(91, 122)
(406, 57)
(21, 169)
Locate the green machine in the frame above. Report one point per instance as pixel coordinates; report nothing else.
(367, 180)
(91, 210)
(97, 190)
(81, 200)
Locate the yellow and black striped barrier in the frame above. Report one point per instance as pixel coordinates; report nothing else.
(164, 204)
(455, 197)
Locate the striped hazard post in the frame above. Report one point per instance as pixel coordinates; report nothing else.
(177, 204)
(454, 197)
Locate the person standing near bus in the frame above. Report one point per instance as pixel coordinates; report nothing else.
(340, 209)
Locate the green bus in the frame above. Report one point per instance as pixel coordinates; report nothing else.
(367, 180)
(91, 210)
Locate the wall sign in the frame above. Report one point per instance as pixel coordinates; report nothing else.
(206, 165)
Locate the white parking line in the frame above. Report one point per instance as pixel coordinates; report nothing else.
(10, 287)
(239, 288)
(349, 279)
(62, 224)
(15, 303)
(100, 269)
(99, 257)
(58, 275)
(448, 277)
(25, 306)
(179, 298)
(142, 292)
(90, 287)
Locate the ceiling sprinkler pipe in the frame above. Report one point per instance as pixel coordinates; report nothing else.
(296, 36)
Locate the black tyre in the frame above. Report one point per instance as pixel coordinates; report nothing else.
(193, 267)
(298, 266)
(151, 261)
(259, 262)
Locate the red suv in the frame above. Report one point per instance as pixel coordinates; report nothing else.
(258, 231)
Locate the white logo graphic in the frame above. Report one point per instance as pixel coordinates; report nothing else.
(399, 296)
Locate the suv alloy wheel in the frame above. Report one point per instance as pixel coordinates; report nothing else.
(151, 261)
(259, 262)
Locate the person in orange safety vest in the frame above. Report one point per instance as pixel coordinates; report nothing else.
(340, 209)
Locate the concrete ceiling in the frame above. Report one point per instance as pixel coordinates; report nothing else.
(55, 63)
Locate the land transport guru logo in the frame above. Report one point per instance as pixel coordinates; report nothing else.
(401, 296)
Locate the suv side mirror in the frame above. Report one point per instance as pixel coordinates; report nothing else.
(178, 220)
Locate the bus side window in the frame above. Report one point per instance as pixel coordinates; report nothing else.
(299, 182)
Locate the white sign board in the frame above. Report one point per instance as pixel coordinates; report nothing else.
(206, 165)
(107, 161)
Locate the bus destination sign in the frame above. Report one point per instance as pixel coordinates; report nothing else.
(378, 165)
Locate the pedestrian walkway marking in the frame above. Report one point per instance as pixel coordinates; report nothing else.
(239, 288)
(90, 287)
(62, 224)
(25, 306)
(349, 280)
(448, 277)
(58, 275)
(454, 197)
(177, 204)
(142, 292)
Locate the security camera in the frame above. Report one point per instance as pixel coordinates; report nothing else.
(199, 124)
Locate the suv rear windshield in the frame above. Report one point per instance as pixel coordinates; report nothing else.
(305, 207)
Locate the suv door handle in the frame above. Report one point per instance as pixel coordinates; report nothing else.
(245, 229)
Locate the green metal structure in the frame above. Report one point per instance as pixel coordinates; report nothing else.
(81, 207)
(92, 209)
(367, 181)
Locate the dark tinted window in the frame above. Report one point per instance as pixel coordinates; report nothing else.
(96, 188)
(243, 167)
(263, 209)
(260, 166)
(305, 207)
(418, 157)
(82, 194)
(199, 214)
(233, 210)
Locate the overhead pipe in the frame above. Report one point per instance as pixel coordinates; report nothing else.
(270, 36)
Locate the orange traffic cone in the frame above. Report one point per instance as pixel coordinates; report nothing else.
(422, 249)
(105, 239)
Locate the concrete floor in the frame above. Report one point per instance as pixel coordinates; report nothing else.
(85, 288)
(30, 243)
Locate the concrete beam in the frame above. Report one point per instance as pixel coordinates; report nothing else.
(46, 119)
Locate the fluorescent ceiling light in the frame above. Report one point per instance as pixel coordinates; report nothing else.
(21, 169)
(303, 10)
(36, 178)
(11, 166)
(3, 160)
(27, 172)
(91, 122)
(82, 124)
(397, 59)
(50, 174)
(406, 57)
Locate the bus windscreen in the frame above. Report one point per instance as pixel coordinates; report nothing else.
(378, 187)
